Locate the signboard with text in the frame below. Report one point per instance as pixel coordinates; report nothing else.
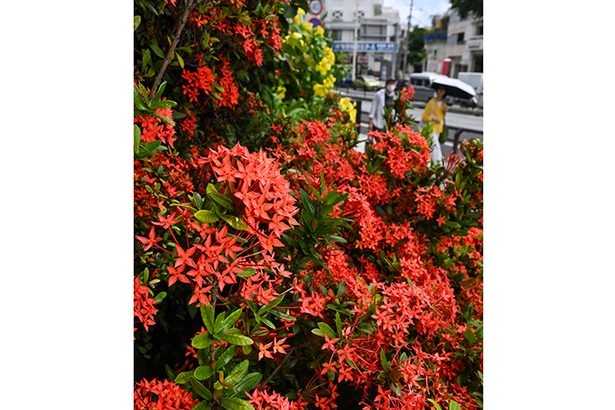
(365, 46)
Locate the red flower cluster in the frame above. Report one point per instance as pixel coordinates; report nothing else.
(405, 150)
(144, 305)
(162, 395)
(201, 80)
(263, 193)
(406, 94)
(152, 128)
(230, 96)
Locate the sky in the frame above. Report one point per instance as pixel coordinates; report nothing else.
(422, 10)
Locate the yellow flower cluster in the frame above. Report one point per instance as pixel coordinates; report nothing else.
(348, 107)
(297, 18)
(320, 90)
(281, 91)
(327, 61)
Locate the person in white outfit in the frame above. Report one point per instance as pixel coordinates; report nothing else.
(383, 98)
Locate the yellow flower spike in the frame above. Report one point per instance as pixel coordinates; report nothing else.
(297, 20)
(301, 12)
(307, 26)
(297, 35)
(319, 31)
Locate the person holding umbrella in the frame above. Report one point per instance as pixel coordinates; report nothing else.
(434, 113)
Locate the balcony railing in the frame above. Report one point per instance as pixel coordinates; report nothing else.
(475, 43)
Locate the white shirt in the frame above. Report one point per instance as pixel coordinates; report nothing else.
(376, 114)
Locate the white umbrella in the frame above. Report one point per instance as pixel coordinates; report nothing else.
(454, 87)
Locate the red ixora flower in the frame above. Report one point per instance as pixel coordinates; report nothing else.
(162, 395)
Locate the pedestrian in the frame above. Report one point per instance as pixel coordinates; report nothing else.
(434, 113)
(383, 98)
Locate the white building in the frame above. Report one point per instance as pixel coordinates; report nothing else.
(378, 33)
(454, 45)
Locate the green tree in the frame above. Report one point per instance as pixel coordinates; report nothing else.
(467, 7)
(416, 47)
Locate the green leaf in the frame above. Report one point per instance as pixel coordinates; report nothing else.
(160, 297)
(207, 313)
(453, 405)
(211, 188)
(218, 322)
(137, 138)
(338, 323)
(326, 329)
(267, 322)
(206, 216)
(203, 372)
(147, 57)
(183, 377)
(202, 406)
(137, 21)
(307, 202)
(202, 341)
(138, 100)
(199, 389)
(341, 289)
(163, 118)
(234, 222)
(271, 305)
(318, 332)
(221, 200)
(234, 403)
(383, 360)
(157, 50)
(246, 273)
(247, 383)
(237, 373)
(180, 60)
(225, 357)
(236, 339)
(164, 104)
(435, 405)
(229, 321)
(337, 238)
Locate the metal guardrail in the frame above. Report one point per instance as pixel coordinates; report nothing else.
(456, 135)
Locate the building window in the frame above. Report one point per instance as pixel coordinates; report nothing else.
(337, 14)
(435, 52)
(461, 38)
(336, 35)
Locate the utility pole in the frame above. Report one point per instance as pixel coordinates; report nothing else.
(354, 47)
(407, 48)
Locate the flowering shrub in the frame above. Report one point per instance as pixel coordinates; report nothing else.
(302, 274)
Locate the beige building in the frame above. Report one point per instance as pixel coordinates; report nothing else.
(454, 45)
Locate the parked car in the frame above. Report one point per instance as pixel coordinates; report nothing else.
(476, 81)
(422, 85)
(367, 82)
(423, 89)
(344, 83)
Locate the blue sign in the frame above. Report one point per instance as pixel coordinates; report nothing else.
(365, 46)
(315, 22)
